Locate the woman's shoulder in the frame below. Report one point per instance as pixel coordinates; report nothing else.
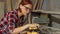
(12, 12)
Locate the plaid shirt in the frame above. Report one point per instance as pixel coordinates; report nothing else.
(7, 23)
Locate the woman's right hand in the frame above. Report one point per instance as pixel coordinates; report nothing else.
(20, 29)
(31, 26)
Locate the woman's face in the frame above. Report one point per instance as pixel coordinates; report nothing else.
(25, 8)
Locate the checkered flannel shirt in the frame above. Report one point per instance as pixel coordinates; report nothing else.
(7, 23)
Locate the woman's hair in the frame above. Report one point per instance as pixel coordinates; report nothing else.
(24, 2)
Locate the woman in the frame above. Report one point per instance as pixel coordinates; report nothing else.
(8, 22)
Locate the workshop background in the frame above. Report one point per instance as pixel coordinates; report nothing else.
(48, 5)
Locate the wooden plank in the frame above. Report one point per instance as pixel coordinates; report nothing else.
(48, 12)
(35, 4)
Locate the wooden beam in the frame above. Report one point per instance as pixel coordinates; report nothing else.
(48, 12)
(53, 18)
(35, 4)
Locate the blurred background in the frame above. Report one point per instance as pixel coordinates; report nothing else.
(47, 5)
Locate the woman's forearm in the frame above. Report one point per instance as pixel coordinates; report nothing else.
(19, 29)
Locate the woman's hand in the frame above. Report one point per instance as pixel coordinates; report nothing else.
(34, 25)
(22, 28)
(31, 26)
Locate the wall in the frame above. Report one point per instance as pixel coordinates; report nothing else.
(52, 5)
(15, 3)
(1, 9)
